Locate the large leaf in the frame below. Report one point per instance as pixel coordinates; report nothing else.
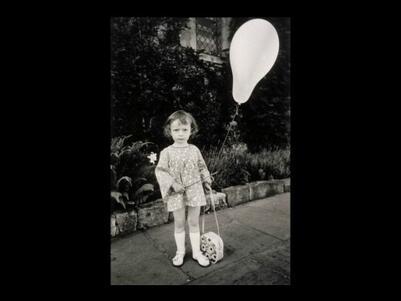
(117, 143)
(113, 175)
(139, 179)
(144, 189)
(124, 184)
(118, 198)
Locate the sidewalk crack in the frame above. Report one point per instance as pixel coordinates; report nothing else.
(166, 254)
(261, 231)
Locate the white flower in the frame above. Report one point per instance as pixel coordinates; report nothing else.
(152, 157)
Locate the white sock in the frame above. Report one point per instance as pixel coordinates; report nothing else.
(195, 243)
(180, 242)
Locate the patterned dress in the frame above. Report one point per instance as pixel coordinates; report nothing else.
(184, 165)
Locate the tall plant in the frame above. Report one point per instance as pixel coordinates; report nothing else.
(132, 172)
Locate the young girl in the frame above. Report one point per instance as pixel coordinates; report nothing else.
(182, 176)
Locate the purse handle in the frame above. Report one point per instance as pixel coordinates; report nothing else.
(215, 215)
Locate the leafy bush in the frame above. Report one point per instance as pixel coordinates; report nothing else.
(236, 165)
(269, 164)
(133, 180)
(230, 166)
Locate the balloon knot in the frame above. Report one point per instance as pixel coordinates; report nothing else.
(236, 110)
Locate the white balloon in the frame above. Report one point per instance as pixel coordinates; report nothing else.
(253, 51)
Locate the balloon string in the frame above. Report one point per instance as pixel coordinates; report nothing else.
(228, 131)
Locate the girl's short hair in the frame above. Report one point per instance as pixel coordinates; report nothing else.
(184, 118)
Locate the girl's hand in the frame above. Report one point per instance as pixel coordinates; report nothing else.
(207, 186)
(178, 187)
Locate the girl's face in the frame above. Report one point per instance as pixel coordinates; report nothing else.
(180, 132)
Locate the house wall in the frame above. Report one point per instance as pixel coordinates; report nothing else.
(188, 39)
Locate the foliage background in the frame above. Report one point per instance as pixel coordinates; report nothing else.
(152, 75)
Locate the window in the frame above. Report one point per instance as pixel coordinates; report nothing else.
(208, 35)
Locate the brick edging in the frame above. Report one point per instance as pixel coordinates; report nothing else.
(155, 213)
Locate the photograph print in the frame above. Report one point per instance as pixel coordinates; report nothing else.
(200, 150)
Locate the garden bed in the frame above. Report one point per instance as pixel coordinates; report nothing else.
(155, 213)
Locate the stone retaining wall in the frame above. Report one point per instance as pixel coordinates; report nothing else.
(152, 214)
(155, 213)
(255, 190)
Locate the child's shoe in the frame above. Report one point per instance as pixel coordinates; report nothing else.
(178, 260)
(202, 260)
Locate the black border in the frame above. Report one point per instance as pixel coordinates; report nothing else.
(78, 132)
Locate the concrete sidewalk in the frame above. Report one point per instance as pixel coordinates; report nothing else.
(256, 239)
